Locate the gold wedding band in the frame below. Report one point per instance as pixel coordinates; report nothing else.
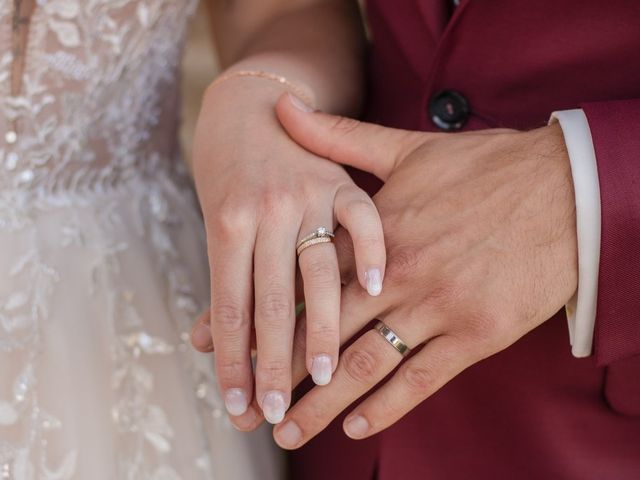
(393, 339)
(319, 235)
(314, 241)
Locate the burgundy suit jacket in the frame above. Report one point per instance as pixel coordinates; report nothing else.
(532, 411)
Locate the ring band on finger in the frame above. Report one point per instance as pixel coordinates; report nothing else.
(318, 236)
(392, 338)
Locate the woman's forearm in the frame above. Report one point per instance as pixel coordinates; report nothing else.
(316, 44)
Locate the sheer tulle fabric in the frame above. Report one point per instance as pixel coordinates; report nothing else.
(103, 264)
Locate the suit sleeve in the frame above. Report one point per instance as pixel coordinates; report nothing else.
(615, 130)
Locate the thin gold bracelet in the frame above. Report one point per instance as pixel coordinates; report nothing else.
(292, 87)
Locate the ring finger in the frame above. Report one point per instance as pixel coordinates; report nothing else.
(321, 278)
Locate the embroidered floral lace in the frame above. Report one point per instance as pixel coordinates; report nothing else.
(103, 267)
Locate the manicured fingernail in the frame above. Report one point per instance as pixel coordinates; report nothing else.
(273, 407)
(236, 401)
(373, 277)
(201, 337)
(289, 435)
(356, 427)
(321, 369)
(299, 104)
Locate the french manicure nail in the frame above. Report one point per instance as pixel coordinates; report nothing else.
(321, 369)
(373, 278)
(299, 104)
(356, 427)
(289, 435)
(235, 400)
(201, 336)
(273, 407)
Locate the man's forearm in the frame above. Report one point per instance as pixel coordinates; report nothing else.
(316, 44)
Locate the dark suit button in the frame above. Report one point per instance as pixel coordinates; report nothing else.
(449, 110)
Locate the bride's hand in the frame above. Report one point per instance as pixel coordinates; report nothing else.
(260, 194)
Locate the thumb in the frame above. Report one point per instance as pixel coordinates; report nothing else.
(365, 146)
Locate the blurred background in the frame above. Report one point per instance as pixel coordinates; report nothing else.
(199, 67)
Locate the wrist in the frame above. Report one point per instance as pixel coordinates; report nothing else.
(561, 198)
(281, 69)
(299, 91)
(237, 120)
(243, 94)
(241, 108)
(546, 179)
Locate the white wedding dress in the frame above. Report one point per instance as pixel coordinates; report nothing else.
(102, 257)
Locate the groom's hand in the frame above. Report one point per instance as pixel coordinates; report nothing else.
(481, 248)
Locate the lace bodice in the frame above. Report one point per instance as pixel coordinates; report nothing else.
(103, 266)
(97, 95)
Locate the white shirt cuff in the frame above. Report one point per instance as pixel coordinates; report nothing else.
(581, 309)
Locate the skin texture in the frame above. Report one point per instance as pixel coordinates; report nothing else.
(481, 244)
(260, 193)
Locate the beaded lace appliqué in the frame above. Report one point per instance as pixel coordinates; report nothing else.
(95, 115)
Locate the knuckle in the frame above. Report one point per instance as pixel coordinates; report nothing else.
(386, 407)
(402, 263)
(313, 417)
(319, 416)
(419, 380)
(368, 241)
(358, 208)
(233, 220)
(345, 125)
(446, 295)
(230, 371)
(483, 326)
(229, 316)
(322, 332)
(274, 307)
(279, 203)
(273, 372)
(360, 365)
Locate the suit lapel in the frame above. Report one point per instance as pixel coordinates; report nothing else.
(436, 15)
